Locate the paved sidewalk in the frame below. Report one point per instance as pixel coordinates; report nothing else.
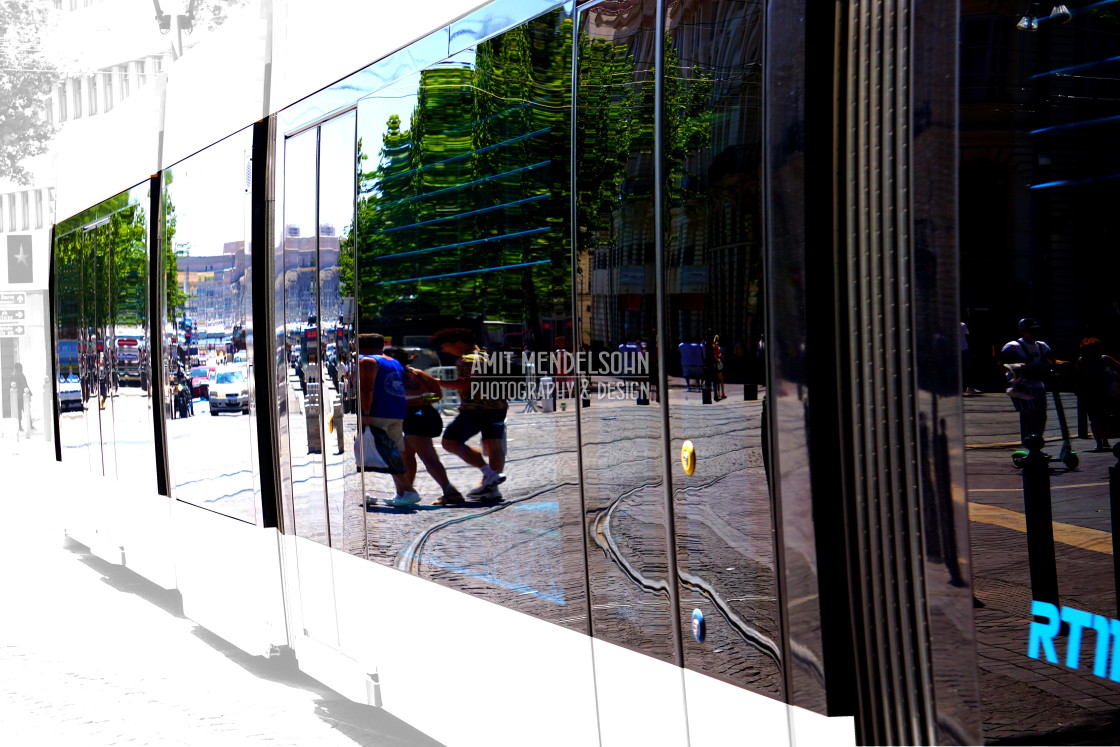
(92, 654)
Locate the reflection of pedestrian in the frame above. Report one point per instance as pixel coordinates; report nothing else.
(343, 369)
(381, 385)
(422, 423)
(966, 363)
(1098, 386)
(713, 366)
(20, 382)
(1027, 360)
(477, 414)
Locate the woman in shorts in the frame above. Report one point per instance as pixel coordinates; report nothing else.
(423, 423)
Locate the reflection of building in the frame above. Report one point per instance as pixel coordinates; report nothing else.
(713, 244)
(215, 285)
(1034, 154)
(109, 55)
(303, 276)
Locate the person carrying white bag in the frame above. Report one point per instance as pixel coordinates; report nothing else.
(382, 412)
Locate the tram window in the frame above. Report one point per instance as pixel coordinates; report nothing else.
(462, 225)
(71, 360)
(713, 340)
(306, 437)
(210, 438)
(622, 447)
(1037, 194)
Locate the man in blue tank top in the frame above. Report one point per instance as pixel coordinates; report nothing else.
(383, 405)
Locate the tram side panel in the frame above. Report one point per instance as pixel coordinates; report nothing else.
(228, 560)
(101, 259)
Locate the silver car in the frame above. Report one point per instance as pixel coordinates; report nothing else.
(229, 390)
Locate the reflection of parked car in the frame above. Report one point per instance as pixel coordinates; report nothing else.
(229, 390)
(69, 393)
(200, 382)
(423, 358)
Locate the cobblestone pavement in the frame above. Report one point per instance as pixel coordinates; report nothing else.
(93, 655)
(1024, 700)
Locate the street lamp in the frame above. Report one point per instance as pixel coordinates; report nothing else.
(183, 15)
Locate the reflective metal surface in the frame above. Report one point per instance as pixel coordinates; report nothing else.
(462, 224)
(714, 339)
(212, 456)
(494, 18)
(616, 242)
(301, 344)
(411, 59)
(1040, 340)
(101, 271)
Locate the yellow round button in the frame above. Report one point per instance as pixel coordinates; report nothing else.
(688, 457)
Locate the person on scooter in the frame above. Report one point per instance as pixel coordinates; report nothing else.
(1027, 361)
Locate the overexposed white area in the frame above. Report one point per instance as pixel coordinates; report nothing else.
(90, 659)
(641, 699)
(219, 86)
(98, 157)
(205, 189)
(229, 576)
(723, 715)
(442, 659)
(808, 729)
(317, 43)
(109, 32)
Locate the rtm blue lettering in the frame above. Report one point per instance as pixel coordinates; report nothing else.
(1042, 636)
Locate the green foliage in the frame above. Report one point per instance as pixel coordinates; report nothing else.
(26, 79)
(478, 181)
(175, 298)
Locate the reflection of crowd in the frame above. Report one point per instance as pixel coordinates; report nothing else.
(399, 401)
(1098, 388)
(702, 365)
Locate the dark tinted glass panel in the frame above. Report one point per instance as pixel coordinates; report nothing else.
(462, 225)
(1041, 344)
(210, 438)
(624, 487)
(301, 297)
(713, 276)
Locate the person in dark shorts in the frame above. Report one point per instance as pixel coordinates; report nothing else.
(477, 415)
(423, 423)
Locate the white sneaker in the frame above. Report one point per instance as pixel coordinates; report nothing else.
(494, 480)
(489, 486)
(407, 498)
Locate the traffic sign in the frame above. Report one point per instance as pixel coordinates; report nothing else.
(12, 315)
(12, 299)
(11, 330)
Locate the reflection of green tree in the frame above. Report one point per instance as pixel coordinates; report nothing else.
(175, 297)
(499, 126)
(102, 272)
(500, 123)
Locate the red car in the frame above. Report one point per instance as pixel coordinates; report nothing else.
(200, 382)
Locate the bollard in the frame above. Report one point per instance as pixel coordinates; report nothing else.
(27, 411)
(1040, 522)
(337, 425)
(13, 402)
(1114, 508)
